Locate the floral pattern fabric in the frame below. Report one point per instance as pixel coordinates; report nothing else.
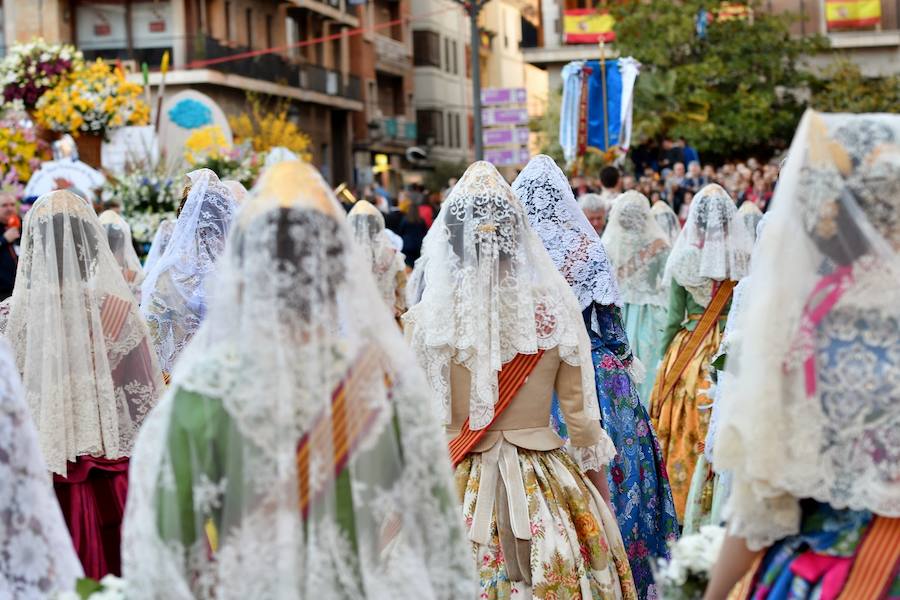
(639, 487)
(575, 551)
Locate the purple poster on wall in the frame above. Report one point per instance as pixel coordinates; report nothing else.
(506, 137)
(496, 96)
(507, 157)
(493, 117)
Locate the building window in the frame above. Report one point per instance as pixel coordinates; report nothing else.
(451, 143)
(454, 53)
(248, 16)
(227, 21)
(447, 64)
(426, 49)
(270, 32)
(430, 127)
(142, 34)
(468, 61)
(456, 130)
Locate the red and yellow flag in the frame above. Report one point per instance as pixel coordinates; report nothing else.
(587, 26)
(729, 11)
(852, 14)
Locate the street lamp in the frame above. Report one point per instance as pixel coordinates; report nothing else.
(473, 8)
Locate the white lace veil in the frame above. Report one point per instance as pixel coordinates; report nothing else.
(751, 215)
(37, 558)
(667, 220)
(237, 189)
(713, 246)
(173, 298)
(489, 291)
(387, 263)
(81, 344)
(638, 249)
(814, 411)
(118, 234)
(326, 472)
(573, 244)
(158, 245)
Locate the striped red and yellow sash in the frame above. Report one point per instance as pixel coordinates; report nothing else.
(876, 562)
(874, 567)
(343, 427)
(510, 379)
(113, 314)
(665, 385)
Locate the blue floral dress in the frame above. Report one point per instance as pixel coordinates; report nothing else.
(639, 487)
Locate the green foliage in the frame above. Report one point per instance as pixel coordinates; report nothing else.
(843, 88)
(725, 94)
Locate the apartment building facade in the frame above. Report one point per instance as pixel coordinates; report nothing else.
(873, 45)
(202, 36)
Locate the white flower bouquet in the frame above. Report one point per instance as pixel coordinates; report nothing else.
(30, 69)
(686, 575)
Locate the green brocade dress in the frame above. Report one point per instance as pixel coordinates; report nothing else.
(205, 444)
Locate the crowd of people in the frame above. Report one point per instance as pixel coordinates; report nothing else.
(279, 404)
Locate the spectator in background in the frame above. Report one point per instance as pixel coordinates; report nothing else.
(674, 186)
(670, 155)
(610, 179)
(695, 179)
(628, 183)
(596, 208)
(685, 206)
(759, 192)
(412, 229)
(10, 232)
(690, 153)
(709, 172)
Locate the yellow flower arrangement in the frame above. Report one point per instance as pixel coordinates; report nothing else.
(266, 127)
(21, 151)
(206, 143)
(93, 99)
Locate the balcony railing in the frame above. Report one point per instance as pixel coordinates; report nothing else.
(278, 69)
(392, 52)
(398, 129)
(871, 19)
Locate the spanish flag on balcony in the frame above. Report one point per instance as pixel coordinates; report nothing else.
(852, 14)
(729, 11)
(587, 26)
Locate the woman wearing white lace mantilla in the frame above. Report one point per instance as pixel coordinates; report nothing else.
(809, 427)
(88, 368)
(712, 253)
(118, 234)
(637, 480)
(666, 219)
(296, 454)
(498, 330)
(37, 559)
(387, 263)
(173, 299)
(638, 249)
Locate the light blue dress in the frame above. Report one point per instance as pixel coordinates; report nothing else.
(644, 326)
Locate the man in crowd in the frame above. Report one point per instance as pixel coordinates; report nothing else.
(609, 184)
(695, 179)
(10, 232)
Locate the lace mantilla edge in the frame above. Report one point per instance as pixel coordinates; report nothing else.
(593, 458)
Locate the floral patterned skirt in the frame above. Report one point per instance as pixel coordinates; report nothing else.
(575, 550)
(680, 424)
